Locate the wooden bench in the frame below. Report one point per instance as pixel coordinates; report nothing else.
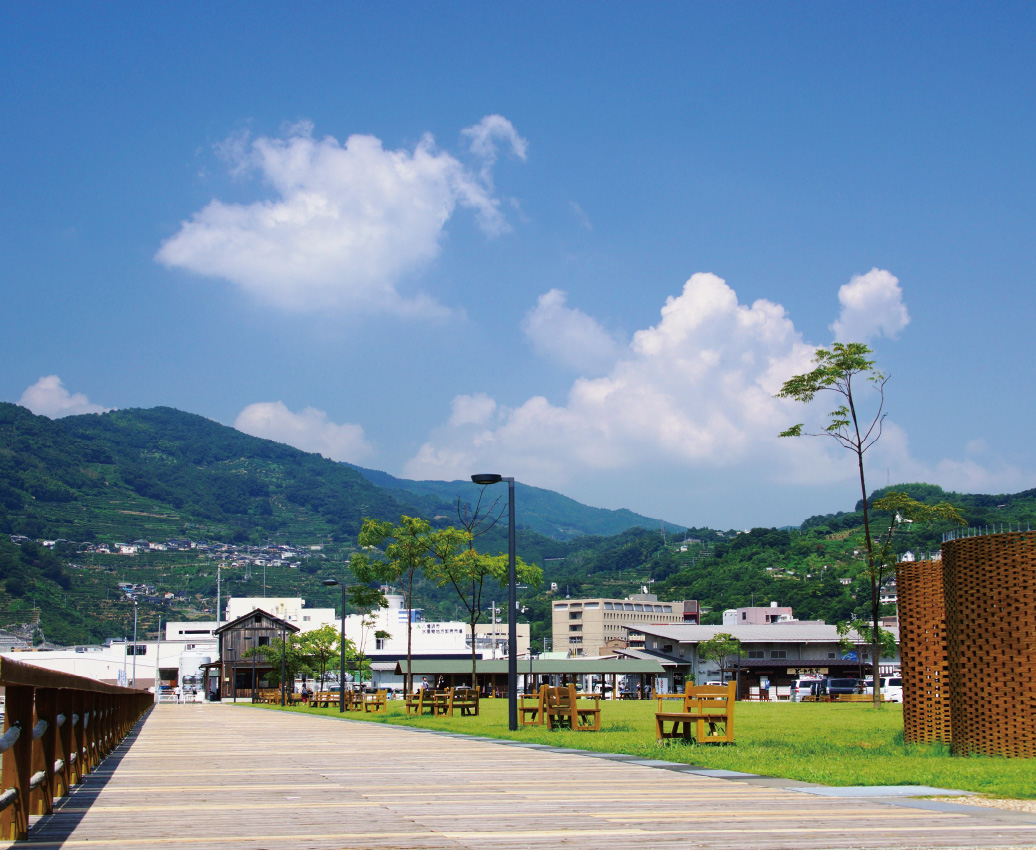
(431, 701)
(704, 706)
(530, 707)
(375, 702)
(856, 698)
(563, 711)
(465, 700)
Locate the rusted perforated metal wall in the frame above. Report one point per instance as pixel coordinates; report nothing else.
(923, 651)
(990, 591)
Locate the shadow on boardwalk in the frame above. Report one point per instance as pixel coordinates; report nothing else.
(204, 776)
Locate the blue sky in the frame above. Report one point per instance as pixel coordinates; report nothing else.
(582, 244)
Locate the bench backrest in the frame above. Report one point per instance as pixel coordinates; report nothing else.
(714, 699)
(560, 697)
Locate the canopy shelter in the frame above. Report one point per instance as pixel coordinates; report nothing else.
(491, 676)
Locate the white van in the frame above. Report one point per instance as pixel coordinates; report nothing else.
(890, 687)
(800, 689)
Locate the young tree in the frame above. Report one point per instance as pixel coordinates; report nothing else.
(836, 371)
(407, 554)
(854, 635)
(296, 661)
(461, 566)
(717, 648)
(322, 647)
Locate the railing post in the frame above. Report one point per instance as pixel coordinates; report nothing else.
(17, 761)
(42, 799)
(89, 716)
(64, 752)
(79, 766)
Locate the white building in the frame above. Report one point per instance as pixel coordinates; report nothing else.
(176, 659)
(290, 608)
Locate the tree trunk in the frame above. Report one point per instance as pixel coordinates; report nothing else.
(873, 574)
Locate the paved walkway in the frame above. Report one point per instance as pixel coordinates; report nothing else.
(211, 776)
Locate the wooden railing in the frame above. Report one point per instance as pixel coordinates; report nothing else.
(57, 729)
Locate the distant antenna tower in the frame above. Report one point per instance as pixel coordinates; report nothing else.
(663, 532)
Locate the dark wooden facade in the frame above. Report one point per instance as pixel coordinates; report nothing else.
(240, 675)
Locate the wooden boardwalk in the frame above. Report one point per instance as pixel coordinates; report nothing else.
(237, 778)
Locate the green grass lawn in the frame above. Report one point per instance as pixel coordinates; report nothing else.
(827, 743)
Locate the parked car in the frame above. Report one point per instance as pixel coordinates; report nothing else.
(801, 688)
(890, 687)
(835, 687)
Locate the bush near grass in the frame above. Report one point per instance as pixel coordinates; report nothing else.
(826, 743)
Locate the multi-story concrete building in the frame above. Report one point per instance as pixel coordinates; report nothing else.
(591, 627)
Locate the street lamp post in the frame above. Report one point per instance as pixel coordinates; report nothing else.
(512, 599)
(332, 582)
(284, 653)
(133, 683)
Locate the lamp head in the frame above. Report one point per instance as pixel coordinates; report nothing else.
(331, 582)
(486, 478)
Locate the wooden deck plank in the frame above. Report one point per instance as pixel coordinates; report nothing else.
(201, 777)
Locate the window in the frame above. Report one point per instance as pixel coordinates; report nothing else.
(379, 643)
(667, 647)
(589, 605)
(264, 641)
(575, 615)
(608, 606)
(638, 607)
(756, 653)
(561, 606)
(778, 653)
(136, 649)
(744, 615)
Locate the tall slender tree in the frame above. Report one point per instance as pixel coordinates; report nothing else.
(845, 370)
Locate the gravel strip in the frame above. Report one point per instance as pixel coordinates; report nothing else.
(992, 803)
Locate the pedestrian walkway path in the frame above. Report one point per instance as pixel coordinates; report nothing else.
(202, 776)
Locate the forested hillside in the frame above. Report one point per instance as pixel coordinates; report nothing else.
(276, 521)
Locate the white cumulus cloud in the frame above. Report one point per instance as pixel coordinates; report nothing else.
(568, 336)
(346, 222)
(694, 390)
(309, 430)
(872, 305)
(48, 397)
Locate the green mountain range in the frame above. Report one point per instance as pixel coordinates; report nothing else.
(543, 511)
(278, 521)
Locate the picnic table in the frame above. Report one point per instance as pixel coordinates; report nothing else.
(563, 710)
(464, 700)
(703, 706)
(531, 707)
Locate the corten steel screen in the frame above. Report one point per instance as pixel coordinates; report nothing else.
(990, 591)
(923, 651)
